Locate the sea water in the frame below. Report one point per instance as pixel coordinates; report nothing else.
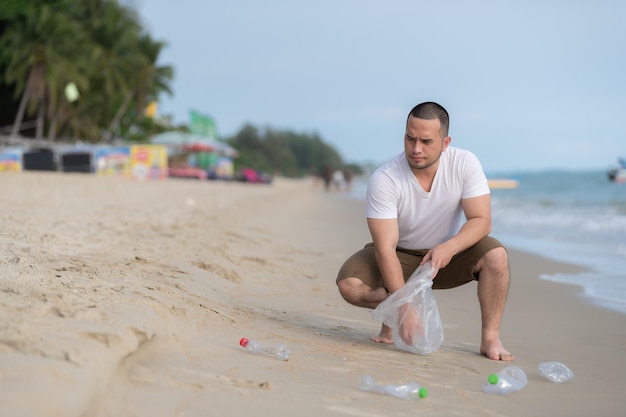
(575, 217)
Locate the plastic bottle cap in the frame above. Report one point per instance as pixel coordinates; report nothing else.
(423, 392)
(493, 379)
(243, 342)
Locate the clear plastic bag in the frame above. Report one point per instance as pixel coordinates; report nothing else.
(414, 298)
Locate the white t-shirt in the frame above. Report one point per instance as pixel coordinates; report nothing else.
(425, 219)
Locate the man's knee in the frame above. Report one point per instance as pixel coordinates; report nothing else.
(349, 289)
(345, 288)
(496, 260)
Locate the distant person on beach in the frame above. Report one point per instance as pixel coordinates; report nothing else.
(430, 203)
(347, 175)
(338, 180)
(327, 177)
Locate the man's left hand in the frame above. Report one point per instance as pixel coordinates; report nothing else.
(439, 257)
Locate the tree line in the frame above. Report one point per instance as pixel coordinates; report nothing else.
(286, 153)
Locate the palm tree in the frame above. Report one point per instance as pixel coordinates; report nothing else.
(115, 31)
(153, 79)
(149, 80)
(34, 47)
(98, 45)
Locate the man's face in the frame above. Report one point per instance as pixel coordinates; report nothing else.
(423, 143)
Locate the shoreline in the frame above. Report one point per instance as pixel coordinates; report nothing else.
(130, 298)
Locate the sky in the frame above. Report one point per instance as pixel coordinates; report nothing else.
(530, 85)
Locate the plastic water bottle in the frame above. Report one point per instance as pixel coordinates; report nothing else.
(556, 372)
(509, 379)
(409, 391)
(280, 351)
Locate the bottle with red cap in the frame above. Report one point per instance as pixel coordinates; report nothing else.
(279, 351)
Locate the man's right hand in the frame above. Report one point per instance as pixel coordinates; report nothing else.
(410, 324)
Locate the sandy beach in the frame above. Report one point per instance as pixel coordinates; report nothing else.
(122, 298)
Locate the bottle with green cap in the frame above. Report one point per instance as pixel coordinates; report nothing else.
(409, 391)
(508, 380)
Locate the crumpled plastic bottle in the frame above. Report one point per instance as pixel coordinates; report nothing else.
(279, 351)
(508, 380)
(556, 372)
(412, 390)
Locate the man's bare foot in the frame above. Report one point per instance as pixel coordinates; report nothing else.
(495, 351)
(385, 335)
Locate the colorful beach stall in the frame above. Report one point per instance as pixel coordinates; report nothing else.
(194, 156)
(10, 160)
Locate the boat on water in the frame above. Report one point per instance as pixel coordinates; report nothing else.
(502, 183)
(618, 174)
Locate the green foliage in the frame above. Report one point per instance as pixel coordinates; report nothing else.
(100, 46)
(10, 9)
(285, 153)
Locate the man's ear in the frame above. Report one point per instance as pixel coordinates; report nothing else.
(446, 142)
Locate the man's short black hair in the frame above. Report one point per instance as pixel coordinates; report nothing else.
(430, 110)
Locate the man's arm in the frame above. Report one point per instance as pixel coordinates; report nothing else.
(478, 225)
(385, 236)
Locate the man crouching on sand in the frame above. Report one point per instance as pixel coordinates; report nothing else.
(415, 207)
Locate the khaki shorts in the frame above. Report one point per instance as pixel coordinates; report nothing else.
(362, 265)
